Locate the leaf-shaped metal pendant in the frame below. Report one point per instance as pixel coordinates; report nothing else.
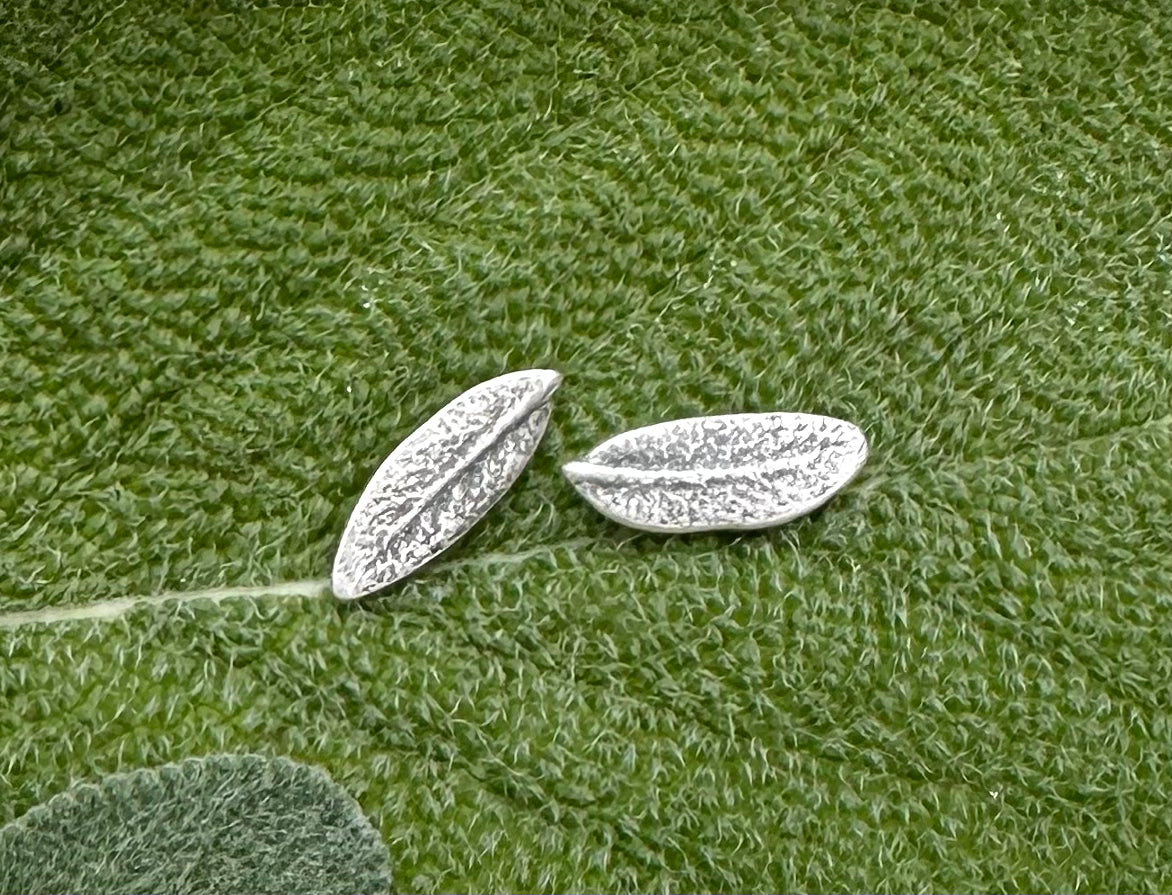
(442, 479)
(740, 471)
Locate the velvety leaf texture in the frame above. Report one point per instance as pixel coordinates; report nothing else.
(246, 248)
(225, 823)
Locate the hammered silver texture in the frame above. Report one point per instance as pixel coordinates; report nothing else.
(738, 471)
(441, 480)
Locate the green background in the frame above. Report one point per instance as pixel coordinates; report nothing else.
(244, 251)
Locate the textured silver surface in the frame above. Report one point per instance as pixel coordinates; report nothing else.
(441, 480)
(740, 471)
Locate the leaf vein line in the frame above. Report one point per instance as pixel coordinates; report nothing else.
(105, 610)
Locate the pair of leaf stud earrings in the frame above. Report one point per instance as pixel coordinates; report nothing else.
(738, 471)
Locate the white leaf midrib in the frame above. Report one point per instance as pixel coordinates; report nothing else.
(107, 610)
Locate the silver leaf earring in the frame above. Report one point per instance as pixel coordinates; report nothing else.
(442, 479)
(739, 471)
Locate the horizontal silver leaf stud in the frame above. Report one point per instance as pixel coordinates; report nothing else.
(442, 479)
(739, 471)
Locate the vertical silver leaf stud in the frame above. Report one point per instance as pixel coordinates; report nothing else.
(441, 480)
(739, 471)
